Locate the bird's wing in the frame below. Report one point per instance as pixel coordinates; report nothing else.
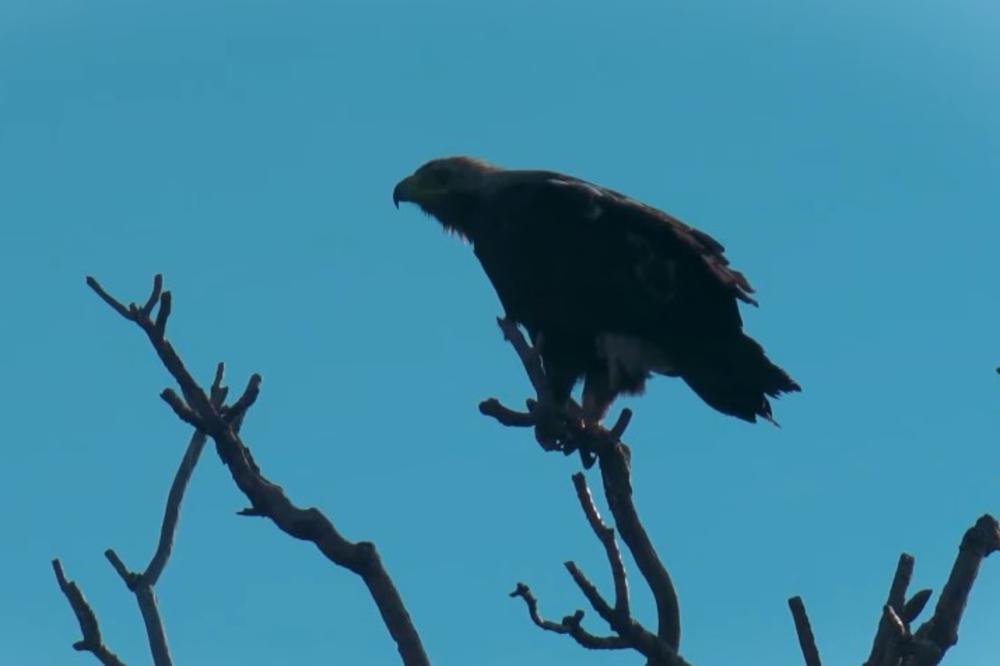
(670, 232)
(633, 251)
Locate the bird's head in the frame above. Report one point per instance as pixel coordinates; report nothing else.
(449, 188)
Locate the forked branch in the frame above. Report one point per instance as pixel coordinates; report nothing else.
(661, 647)
(141, 583)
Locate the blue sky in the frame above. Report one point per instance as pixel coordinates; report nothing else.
(846, 154)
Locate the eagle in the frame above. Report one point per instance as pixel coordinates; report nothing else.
(610, 289)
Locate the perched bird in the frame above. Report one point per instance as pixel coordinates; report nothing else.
(614, 289)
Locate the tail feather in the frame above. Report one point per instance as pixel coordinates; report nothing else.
(734, 376)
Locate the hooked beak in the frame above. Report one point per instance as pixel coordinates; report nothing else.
(404, 191)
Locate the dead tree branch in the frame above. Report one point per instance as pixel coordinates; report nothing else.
(594, 441)
(570, 625)
(803, 629)
(267, 499)
(92, 641)
(935, 636)
(606, 535)
(895, 644)
(142, 584)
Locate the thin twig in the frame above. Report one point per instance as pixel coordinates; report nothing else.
(606, 535)
(598, 602)
(885, 635)
(141, 584)
(92, 641)
(803, 630)
(570, 625)
(614, 463)
(506, 416)
(530, 357)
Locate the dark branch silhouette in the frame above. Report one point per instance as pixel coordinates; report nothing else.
(935, 636)
(569, 625)
(803, 628)
(596, 442)
(142, 583)
(92, 641)
(267, 499)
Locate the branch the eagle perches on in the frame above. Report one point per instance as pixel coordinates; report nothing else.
(894, 644)
(595, 442)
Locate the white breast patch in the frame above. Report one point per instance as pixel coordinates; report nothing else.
(631, 356)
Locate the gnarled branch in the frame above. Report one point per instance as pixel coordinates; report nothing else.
(266, 498)
(895, 644)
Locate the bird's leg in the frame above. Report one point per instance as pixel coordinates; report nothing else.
(597, 398)
(555, 410)
(552, 424)
(560, 426)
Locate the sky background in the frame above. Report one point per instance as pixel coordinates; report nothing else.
(846, 153)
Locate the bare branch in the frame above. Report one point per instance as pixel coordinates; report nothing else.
(530, 357)
(607, 537)
(160, 325)
(594, 440)
(115, 304)
(268, 499)
(92, 641)
(938, 634)
(804, 631)
(130, 578)
(148, 608)
(615, 473)
(175, 496)
(141, 584)
(154, 297)
(885, 635)
(507, 416)
(570, 625)
(171, 513)
(180, 408)
(589, 590)
(246, 401)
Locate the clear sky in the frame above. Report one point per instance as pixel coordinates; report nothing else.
(846, 153)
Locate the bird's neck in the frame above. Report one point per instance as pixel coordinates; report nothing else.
(458, 214)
